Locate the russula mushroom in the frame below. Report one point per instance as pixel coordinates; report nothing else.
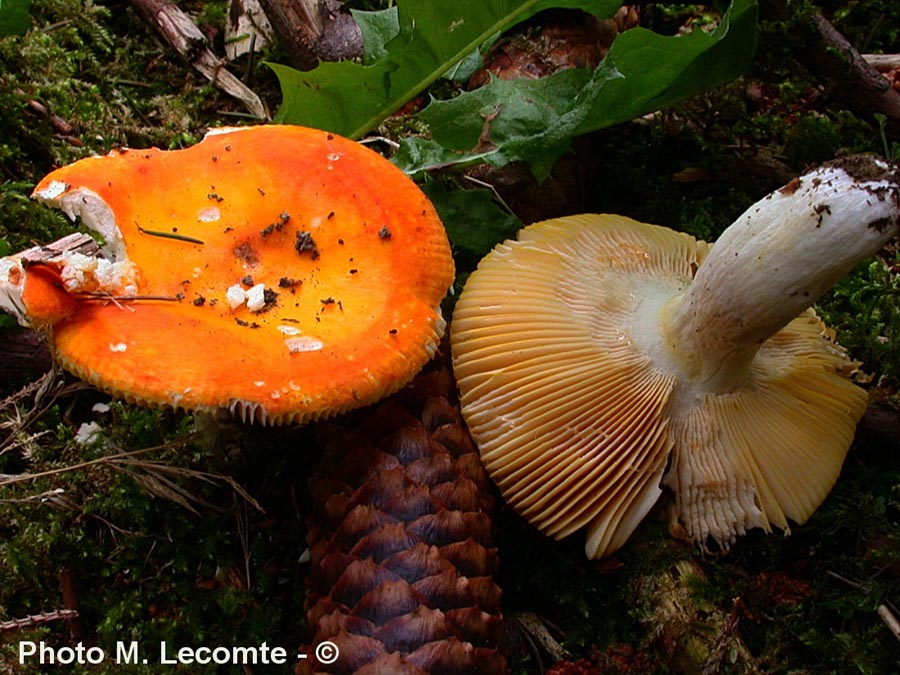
(599, 358)
(249, 272)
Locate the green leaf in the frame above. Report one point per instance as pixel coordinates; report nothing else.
(474, 220)
(352, 98)
(14, 17)
(660, 70)
(468, 66)
(534, 120)
(511, 119)
(377, 28)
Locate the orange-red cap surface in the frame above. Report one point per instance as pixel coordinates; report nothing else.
(304, 274)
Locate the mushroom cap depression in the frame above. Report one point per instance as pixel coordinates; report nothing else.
(280, 272)
(569, 391)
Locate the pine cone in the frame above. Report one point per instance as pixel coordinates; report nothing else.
(402, 554)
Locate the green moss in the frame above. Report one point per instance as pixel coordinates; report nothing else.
(864, 310)
(73, 87)
(157, 545)
(872, 25)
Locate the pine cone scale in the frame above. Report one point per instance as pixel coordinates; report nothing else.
(402, 548)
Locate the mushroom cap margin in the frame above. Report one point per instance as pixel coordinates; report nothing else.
(767, 454)
(567, 413)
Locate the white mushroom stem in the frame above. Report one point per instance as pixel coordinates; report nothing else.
(777, 259)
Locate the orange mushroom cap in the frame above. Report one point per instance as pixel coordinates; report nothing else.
(290, 274)
(45, 297)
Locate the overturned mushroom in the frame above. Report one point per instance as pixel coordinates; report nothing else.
(202, 298)
(599, 358)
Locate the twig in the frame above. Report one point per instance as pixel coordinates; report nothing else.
(236, 113)
(49, 495)
(243, 528)
(251, 60)
(888, 617)
(298, 24)
(536, 630)
(48, 385)
(132, 83)
(883, 63)
(21, 478)
(33, 620)
(55, 120)
(861, 87)
(719, 653)
(532, 645)
(883, 611)
(105, 296)
(853, 584)
(69, 589)
(368, 140)
(158, 468)
(490, 187)
(77, 242)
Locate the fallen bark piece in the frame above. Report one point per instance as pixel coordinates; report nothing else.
(883, 63)
(298, 24)
(890, 620)
(182, 34)
(247, 30)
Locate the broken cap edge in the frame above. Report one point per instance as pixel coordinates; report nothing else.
(773, 450)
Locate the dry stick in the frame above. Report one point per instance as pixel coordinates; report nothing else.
(33, 620)
(298, 24)
(19, 478)
(313, 30)
(182, 34)
(70, 600)
(883, 63)
(57, 122)
(719, 653)
(888, 617)
(536, 631)
(860, 86)
(883, 611)
(125, 458)
(76, 242)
